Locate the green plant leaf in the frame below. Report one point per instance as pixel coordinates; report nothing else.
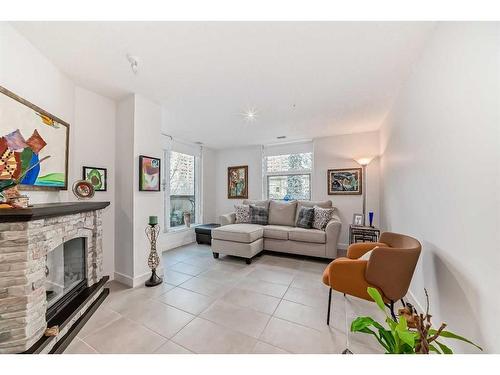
(444, 348)
(404, 334)
(388, 338)
(374, 293)
(391, 323)
(434, 349)
(452, 335)
(379, 338)
(360, 323)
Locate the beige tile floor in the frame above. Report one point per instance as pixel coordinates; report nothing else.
(275, 305)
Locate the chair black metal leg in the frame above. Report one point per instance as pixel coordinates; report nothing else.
(392, 312)
(403, 302)
(329, 307)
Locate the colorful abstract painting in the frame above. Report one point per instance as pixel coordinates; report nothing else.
(149, 173)
(29, 135)
(98, 177)
(237, 182)
(344, 181)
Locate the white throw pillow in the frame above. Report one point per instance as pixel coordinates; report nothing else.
(321, 217)
(368, 254)
(242, 213)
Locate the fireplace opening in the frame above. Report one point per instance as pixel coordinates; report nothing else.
(65, 272)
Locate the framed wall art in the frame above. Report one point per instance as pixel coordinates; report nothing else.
(98, 177)
(149, 173)
(34, 145)
(237, 182)
(347, 181)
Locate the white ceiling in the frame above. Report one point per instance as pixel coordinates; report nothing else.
(306, 79)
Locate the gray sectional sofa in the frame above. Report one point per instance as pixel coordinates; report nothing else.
(281, 234)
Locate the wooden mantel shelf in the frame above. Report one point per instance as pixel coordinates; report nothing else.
(40, 211)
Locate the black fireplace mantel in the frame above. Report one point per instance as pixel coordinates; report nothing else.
(40, 211)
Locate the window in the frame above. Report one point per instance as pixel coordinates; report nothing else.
(182, 188)
(288, 176)
(181, 185)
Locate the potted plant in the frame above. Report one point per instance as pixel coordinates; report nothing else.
(411, 334)
(187, 218)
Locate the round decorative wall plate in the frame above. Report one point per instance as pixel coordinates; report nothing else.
(83, 189)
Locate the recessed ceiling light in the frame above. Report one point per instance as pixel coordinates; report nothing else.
(250, 114)
(281, 137)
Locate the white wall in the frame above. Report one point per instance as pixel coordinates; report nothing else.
(124, 193)
(94, 145)
(147, 141)
(340, 152)
(251, 156)
(27, 73)
(209, 185)
(440, 173)
(329, 153)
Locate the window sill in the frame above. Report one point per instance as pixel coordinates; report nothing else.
(180, 229)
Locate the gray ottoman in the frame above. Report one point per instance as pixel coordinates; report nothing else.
(241, 240)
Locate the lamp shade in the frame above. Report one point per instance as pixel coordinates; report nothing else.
(365, 160)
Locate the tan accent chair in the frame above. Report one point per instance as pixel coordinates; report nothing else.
(389, 268)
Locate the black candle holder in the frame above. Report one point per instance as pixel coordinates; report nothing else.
(152, 231)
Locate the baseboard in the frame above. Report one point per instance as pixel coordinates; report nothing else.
(342, 246)
(136, 281)
(145, 276)
(178, 244)
(124, 279)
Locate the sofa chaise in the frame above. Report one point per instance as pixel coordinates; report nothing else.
(281, 234)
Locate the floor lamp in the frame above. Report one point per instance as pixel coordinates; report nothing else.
(364, 162)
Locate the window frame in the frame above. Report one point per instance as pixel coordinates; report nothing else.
(267, 174)
(166, 188)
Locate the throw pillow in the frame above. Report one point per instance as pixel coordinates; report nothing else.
(242, 213)
(282, 213)
(258, 215)
(306, 217)
(321, 217)
(368, 254)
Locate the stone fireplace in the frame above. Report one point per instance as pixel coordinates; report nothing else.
(48, 254)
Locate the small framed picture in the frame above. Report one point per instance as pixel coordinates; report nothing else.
(149, 173)
(357, 219)
(98, 177)
(237, 182)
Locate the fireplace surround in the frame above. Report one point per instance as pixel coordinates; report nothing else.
(30, 240)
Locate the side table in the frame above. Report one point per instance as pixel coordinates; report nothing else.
(359, 233)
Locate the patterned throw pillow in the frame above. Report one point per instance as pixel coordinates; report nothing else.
(321, 217)
(306, 217)
(259, 215)
(242, 213)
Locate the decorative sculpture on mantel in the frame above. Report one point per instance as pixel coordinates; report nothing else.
(152, 231)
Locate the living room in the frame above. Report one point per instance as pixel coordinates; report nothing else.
(257, 187)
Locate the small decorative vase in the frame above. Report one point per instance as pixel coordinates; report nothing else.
(187, 219)
(370, 218)
(152, 231)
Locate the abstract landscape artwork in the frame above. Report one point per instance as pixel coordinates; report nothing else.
(98, 177)
(344, 181)
(149, 173)
(237, 182)
(33, 145)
